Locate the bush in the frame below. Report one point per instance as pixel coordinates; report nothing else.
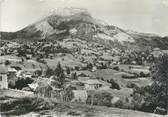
(41, 104)
(114, 85)
(77, 68)
(119, 104)
(7, 62)
(73, 113)
(131, 85)
(129, 76)
(142, 74)
(116, 68)
(160, 111)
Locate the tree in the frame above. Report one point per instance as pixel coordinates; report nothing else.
(21, 83)
(59, 72)
(74, 76)
(49, 72)
(160, 77)
(7, 62)
(89, 66)
(150, 98)
(68, 71)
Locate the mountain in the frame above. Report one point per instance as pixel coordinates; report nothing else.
(149, 40)
(76, 23)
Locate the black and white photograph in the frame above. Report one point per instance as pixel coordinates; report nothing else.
(83, 58)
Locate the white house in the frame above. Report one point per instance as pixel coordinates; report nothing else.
(3, 77)
(95, 84)
(79, 96)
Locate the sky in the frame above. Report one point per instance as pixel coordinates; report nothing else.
(148, 16)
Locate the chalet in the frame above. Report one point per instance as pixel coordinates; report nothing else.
(95, 84)
(3, 77)
(92, 84)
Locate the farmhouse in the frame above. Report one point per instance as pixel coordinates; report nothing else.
(92, 84)
(3, 77)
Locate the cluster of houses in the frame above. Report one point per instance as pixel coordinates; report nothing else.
(43, 86)
(9, 48)
(92, 56)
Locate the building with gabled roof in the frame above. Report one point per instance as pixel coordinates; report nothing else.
(3, 77)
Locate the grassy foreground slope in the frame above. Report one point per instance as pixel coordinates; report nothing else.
(37, 107)
(88, 111)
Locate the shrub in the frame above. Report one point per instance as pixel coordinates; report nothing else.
(77, 68)
(119, 104)
(7, 62)
(114, 85)
(142, 74)
(116, 68)
(129, 76)
(73, 113)
(160, 111)
(131, 85)
(41, 104)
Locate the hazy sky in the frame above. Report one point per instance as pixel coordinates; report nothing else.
(140, 15)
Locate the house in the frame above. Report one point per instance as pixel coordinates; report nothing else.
(79, 96)
(27, 74)
(156, 52)
(3, 77)
(92, 84)
(12, 70)
(94, 68)
(81, 79)
(95, 84)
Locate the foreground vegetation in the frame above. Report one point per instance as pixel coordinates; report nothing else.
(40, 106)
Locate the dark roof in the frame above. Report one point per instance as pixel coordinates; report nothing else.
(3, 69)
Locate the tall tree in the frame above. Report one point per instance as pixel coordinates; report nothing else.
(59, 72)
(160, 77)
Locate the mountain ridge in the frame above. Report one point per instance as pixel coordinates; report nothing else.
(86, 27)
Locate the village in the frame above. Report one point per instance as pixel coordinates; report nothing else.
(73, 71)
